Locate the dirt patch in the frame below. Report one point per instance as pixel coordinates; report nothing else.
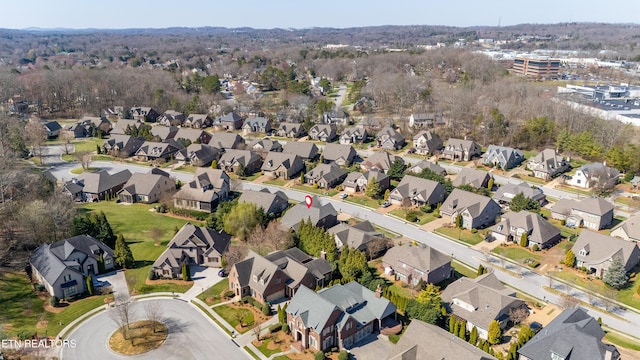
(51, 309)
(42, 324)
(7, 327)
(27, 312)
(167, 281)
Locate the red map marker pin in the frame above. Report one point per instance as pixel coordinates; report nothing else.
(308, 200)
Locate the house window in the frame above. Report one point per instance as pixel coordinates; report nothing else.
(165, 272)
(312, 342)
(212, 259)
(70, 291)
(107, 261)
(67, 278)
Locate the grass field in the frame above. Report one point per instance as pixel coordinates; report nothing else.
(228, 313)
(464, 270)
(515, 253)
(88, 145)
(310, 189)
(276, 182)
(463, 235)
(213, 293)
(364, 201)
(622, 341)
(423, 217)
(626, 296)
(264, 348)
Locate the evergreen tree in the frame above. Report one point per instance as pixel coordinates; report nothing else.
(462, 334)
(90, 287)
(101, 268)
(373, 188)
(313, 240)
(396, 171)
(122, 253)
(481, 270)
(524, 240)
(490, 184)
(616, 274)
(473, 336)
(570, 258)
(386, 194)
(352, 264)
(184, 271)
(214, 164)
(459, 221)
(495, 332)
(241, 170)
(452, 324)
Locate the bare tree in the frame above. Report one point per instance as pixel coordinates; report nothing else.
(84, 157)
(256, 332)
(153, 313)
(273, 236)
(377, 246)
(66, 137)
(235, 254)
(35, 136)
(518, 315)
(239, 317)
(156, 234)
(568, 301)
(121, 315)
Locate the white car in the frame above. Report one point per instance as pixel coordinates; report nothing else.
(343, 195)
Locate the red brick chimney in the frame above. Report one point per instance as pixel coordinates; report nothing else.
(378, 291)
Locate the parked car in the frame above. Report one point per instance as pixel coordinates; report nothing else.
(222, 273)
(386, 204)
(343, 195)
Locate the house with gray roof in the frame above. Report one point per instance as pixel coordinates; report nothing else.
(324, 216)
(323, 132)
(539, 231)
(204, 192)
(373, 125)
(282, 165)
(291, 130)
(596, 251)
(63, 266)
(120, 127)
(461, 150)
(171, 118)
(193, 135)
(256, 125)
(472, 177)
(164, 132)
(418, 192)
(89, 126)
(572, 335)
(507, 192)
(503, 157)
(426, 120)
(379, 161)
(263, 146)
(335, 117)
(353, 135)
(427, 143)
(477, 211)
(232, 159)
(361, 236)
(342, 155)
(595, 174)
(413, 263)
(325, 175)
(143, 113)
(479, 301)
(357, 181)
(229, 121)
(390, 138)
(424, 164)
(306, 150)
(52, 128)
(122, 146)
(196, 245)
(147, 188)
(101, 185)
(271, 203)
(197, 155)
(198, 121)
(226, 140)
(629, 229)
(339, 316)
(593, 213)
(278, 275)
(157, 151)
(548, 164)
(423, 341)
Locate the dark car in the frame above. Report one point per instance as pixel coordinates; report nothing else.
(222, 273)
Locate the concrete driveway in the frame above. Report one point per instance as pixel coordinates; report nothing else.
(203, 278)
(118, 283)
(372, 347)
(191, 336)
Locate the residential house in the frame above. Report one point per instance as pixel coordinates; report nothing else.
(264, 146)
(89, 126)
(101, 185)
(414, 263)
(390, 138)
(196, 245)
(337, 317)
(152, 151)
(353, 135)
(198, 121)
(147, 188)
(121, 126)
(373, 125)
(357, 181)
(52, 128)
(291, 130)
(426, 120)
(324, 216)
(477, 211)
(461, 150)
(171, 118)
(548, 164)
(423, 341)
(538, 230)
(427, 143)
(503, 157)
(229, 121)
(306, 150)
(122, 146)
(164, 132)
(472, 177)
(629, 229)
(380, 161)
(594, 175)
(282, 165)
(144, 114)
(418, 167)
(278, 276)
(204, 192)
(592, 213)
(323, 132)
(479, 301)
(507, 192)
(62, 266)
(572, 335)
(342, 155)
(73, 188)
(232, 159)
(418, 192)
(193, 136)
(361, 236)
(272, 203)
(336, 117)
(596, 251)
(226, 140)
(325, 175)
(197, 155)
(256, 125)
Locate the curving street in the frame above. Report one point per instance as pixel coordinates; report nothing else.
(191, 335)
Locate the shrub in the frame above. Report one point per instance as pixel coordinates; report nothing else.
(229, 294)
(54, 301)
(40, 287)
(344, 355)
(266, 309)
(152, 275)
(285, 328)
(275, 328)
(534, 264)
(411, 217)
(26, 334)
(535, 247)
(247, 299)
(319, 356)
(394, 338)
(474, 231)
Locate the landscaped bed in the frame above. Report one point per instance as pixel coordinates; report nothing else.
(142, 336)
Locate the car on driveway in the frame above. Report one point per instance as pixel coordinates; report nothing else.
(343, 195)
(222, 273)
(386, 204)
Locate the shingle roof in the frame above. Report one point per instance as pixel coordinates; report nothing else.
(539, 229)
(424, 164)
(299, 212)
(424, 190)
(473, 177)
(547, 161)
(144, 184)
(191, 235)
(329, 172)
(506, 192)
(420, 257)
(244, 157)
(315, 316)
(354, 236)
(271, 203)
(265, 145)
(96, 183)
(600, 248)
(277, 159)
(631, 227)
(304, 149)
(225, 140)
(596, 206)
(380, 160)
(333, 152)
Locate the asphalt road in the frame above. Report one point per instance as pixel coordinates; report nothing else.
(191, 336)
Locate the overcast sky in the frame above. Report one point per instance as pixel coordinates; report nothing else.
(118, 14)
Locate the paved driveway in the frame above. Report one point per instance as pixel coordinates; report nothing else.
(191, 336)
(372, 347)
(117, 282)
(203, 278)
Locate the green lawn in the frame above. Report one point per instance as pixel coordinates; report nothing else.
(264, 348)
(68, 158)
(463, 235)
(464, 270)
(628, 202)
(186, 168)
(228, 314)
(364, 201)
(310, 189)
(516, 253)
(276, 182)
(88, 145)
(213, 318)
(80, 170)
(136, 279)
(250, 352)
(423, 217)
(213, 293)
(530, 179)
(622, 341)
(626, 296)
(397, 289)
